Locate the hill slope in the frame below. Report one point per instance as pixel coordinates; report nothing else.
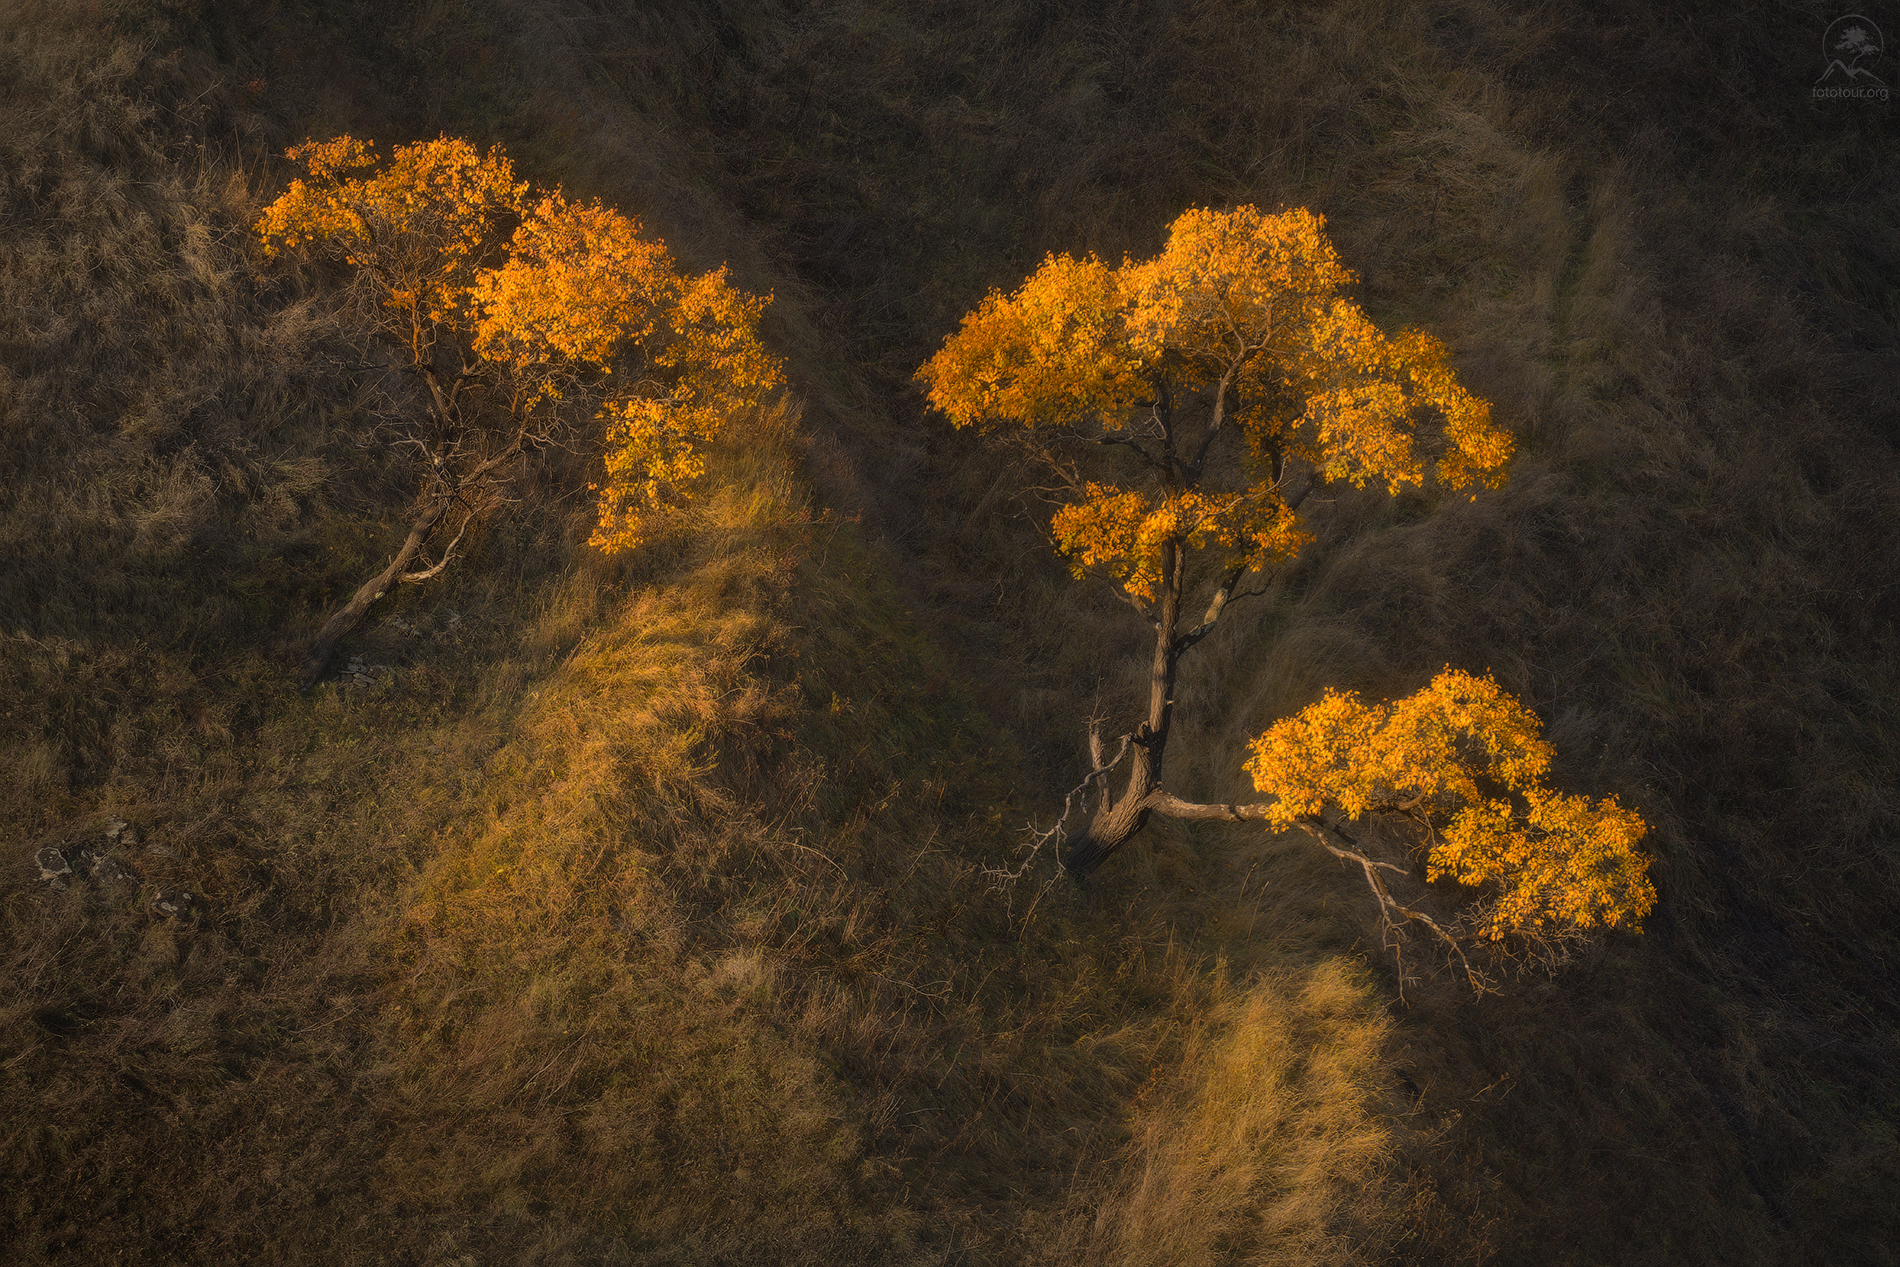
(636, 911)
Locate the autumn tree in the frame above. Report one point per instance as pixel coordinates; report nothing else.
(1462, 765)
(1181, 409)
(526, 321)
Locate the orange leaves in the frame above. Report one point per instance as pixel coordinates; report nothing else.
(541, 299)
(1324, 754)
(651, 453)
(579, 282)
(1458, 718)
(1476, 451)
(1121, 533)
(1053, 352)
(715, 365)
(715, 342)
(1565, 861)
(1229, 280)
(316, 211)
(419, 225)
(1463, 748)
(1236, 295)
(1358, 441)
(1239, 323)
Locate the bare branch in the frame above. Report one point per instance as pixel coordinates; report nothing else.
(448, 556)
(1129, 443)
(1135, 603)
(1389, 906)
(1222, 596)
(1004, 877)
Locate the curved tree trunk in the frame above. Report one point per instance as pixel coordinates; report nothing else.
(1115, 824)
(1121, 817)
(1118, 823)
(352, 612)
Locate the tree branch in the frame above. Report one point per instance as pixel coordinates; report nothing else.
(448, 556)
(1127, 442)
(1161, 802)
(352, 612)
(1135, 603)
(1317, 828)
(1222, 597)
(1218, 415)
(1174, 807)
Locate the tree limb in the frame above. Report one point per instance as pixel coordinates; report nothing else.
(1129, 443)
(448, 556)
(1222, 596)
(1174, 807)
(1318, 828)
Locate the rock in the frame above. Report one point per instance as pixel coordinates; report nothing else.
(174, 905)
(359, 672)
(53, 865)
(107, 869)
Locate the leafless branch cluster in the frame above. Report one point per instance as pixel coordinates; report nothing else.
(1086, 797)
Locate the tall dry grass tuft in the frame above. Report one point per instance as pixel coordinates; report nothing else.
(1261, 1143)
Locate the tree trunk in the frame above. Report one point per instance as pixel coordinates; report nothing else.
(352, 612)
(1121, 817)
(1115, 825)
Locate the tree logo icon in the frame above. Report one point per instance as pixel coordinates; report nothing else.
(1851, 44)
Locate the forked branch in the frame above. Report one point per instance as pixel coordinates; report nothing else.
(1057, 832)
(1389, 906)
(448, 556)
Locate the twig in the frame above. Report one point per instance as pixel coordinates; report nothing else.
(1003, 878)
(1317, 828)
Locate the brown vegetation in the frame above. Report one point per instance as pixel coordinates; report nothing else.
(635, 911)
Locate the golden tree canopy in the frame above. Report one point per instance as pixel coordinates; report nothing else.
(419, 228)
(1468, 760)
(1241, 317)
(537, 300)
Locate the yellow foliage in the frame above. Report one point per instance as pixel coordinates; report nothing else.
(542, 297)
(1231, 276)
(1055, 351)
(1242, 306)
(1120, 531)
(420, 225)
(579, 282)
(1463, 749)
(714, 364)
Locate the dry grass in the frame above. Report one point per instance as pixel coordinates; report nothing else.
(637, 916)
(1259, 1143)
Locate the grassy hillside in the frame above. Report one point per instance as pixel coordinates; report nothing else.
(635, 911)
